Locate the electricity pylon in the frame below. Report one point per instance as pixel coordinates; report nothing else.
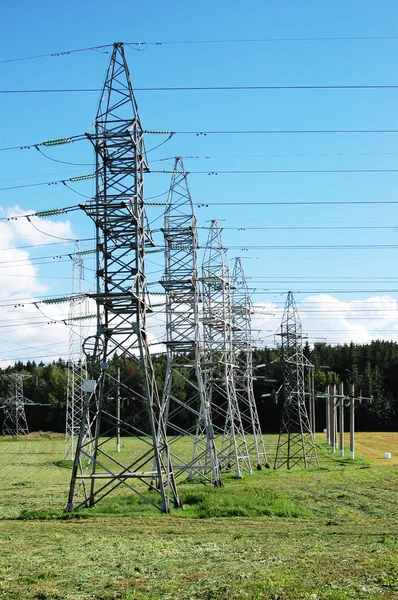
(77, 371)
(242, 310)
(15, 422)
(122, 236)
(295, 443)
(219, 361)
(186, 412)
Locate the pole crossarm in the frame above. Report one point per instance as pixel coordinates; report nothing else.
(122, 238)
(219, 359)
(296, 441)
(186, 412)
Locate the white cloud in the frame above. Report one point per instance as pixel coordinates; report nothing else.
(326, 318)
(25, 332)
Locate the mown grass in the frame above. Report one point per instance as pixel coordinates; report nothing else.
(328, 534)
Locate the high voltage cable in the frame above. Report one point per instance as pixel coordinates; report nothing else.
(80, 137)
(63, 181)
(257, 291)
(309, 202)
(192, 42)
(268, 155)
(227, 88)
(43, 213)
(271, 171)
(266, 40)
(303, 227)
(315, 247)
(49, 143)
(265, 172)
(273, 131)
(55, 54)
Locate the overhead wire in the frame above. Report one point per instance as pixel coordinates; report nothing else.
(81, 137)
(226, 88)
(237, 172)
(70, 139)
(102, 48)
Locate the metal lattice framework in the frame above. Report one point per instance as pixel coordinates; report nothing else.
(219, 360)
(295, 443)
(77, 371)
(186, 412)
(242, 310)
(15, 422)
(122, 236)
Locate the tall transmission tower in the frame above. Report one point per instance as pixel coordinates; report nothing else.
(295, 443)
(77, 371)
(122, 236)
(242, 310)
(219, 360)
(184, 405)
(15, 422)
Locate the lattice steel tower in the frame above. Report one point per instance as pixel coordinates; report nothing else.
(15, 422)
(242, 310)
(219, 360)
(77, 372)
(184, 405)
(295, 443)
(122, 236)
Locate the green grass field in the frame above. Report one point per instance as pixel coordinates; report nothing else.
(319, 534)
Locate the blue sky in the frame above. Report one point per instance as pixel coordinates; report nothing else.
(31, 29)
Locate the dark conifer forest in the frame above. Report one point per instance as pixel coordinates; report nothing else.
(372, 368)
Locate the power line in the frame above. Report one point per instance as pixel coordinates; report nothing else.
(55, 54)
(268, 155)
(267, 40)
(303, 227)
(63, 181)
(227, 88)
(276, 171)
(298, 203)
(43, 245)
(165, 172)
(276, 131)
(80, 137)
(191, 42)
(49, 143)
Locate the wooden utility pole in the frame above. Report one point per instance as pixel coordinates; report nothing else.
(333, 418)
(352, 422)
(341, 419)
(328, 415)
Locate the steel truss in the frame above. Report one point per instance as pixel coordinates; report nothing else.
(242, 310)
(15, 422)
(295, 443)
(219, 360)
(122, 236)
(77, 371)
(184, 406)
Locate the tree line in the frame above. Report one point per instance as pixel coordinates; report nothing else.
(372, 368)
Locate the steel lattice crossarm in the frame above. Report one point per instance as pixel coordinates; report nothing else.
(242, 310)
(15, 422)
(122, 237)
(218, 355)
(295, 443)
(77, 371)
(186, 412)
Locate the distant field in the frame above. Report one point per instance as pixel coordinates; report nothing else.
(373, 445)
(320, 534)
